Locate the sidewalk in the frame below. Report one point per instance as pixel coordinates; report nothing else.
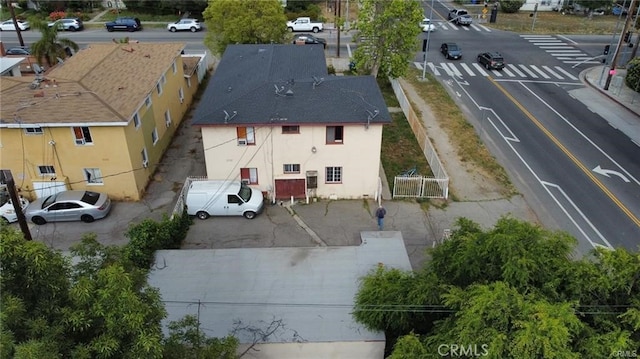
(619, 105)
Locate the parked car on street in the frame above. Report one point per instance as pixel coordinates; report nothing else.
(130, 24)
(426, 25)
(491, 60)
(68, 24)
(9, 26)
(451, 50)
(309, 39)
(460, 17)
(19, 50)
(304, 24)
(7, 212)
(85, 206)
(192, 25)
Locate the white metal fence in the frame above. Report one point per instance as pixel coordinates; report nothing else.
(179, 207)
(420, 186)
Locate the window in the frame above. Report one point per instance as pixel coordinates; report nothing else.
(245, 136)
(181, 95)
(159, 88)
(291, 168)
(188, 81)
(175, 67)
(167, 118)
(154, 135)
(46, 170)
(136, 120)
(82, 135)
(147, 101)
(163, 79)
(145, 158)
(33, 130)
(290, 129)
(334, 134)
(249, 175)
(93, 176)
(334, 175)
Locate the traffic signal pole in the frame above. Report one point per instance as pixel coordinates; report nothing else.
(15, 200)
(616, 55)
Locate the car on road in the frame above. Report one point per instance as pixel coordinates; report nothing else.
(7, 212)
(18, 50)
(451, 50)
(309, 39)
(192, 25)
(460, 17)
(9, 26)
(85, 206)
(130, 24)
(491, 60)
(68, 24)
(426, 25)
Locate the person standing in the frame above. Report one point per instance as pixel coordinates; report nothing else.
(380, 213)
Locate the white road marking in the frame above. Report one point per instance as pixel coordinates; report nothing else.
(544, 75)
(560, 69)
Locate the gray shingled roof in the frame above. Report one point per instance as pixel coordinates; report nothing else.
(311, 289)
(246, 79)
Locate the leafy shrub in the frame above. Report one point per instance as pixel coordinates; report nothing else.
(57, 15)
(331, 70)
(511, 6)
(632, 79)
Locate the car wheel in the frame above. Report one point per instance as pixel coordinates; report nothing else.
(87, 218)
(478, 59)
(202, 215)
(249, 215)
(173, 29)
(193, 29)
(38, 220)
(73, 29)
(290, 29)
(315, 30)
(131, 30)
(446, 56)
(110, 29)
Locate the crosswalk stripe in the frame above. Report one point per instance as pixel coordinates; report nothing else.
(555, 47)
(563, 51)
(467, 69)
(549, 70)
(455, 70)
(418, 65)
(560, 69)
(485, 28)
(575, 55)
(528, 72)
(496, 73)
(515, 69)
(480, 69)
(527, 36)
(446, 68)
(540, 72)
(509, 73)
(433, 69)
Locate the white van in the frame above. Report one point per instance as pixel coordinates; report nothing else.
(223, 198)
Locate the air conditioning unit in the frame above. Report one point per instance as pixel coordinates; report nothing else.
(145, 163)
(181, 100)
(242, 141)
(245, 181)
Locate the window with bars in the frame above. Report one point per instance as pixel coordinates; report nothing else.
(46, 170)
(246, 136)
(249, 175)
(33, 131)
(333, 175)
(82, 135)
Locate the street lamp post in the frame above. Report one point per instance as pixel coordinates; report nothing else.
(426, 51)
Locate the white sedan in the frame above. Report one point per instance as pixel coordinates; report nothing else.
(9, 26)
(7, 212)
(192, 25)
(426, 25)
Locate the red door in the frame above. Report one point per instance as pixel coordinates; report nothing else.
(285, 188)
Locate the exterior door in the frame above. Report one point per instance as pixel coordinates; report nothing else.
(285, 188)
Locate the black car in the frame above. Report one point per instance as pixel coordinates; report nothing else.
(124, 24)
(451, 50)
(491, 60)
(309, 39)
(20, 50)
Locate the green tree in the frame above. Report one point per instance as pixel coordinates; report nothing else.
(388, 31)
(187, 341)
(244, 22)
(632, 78)
(514, 288)
(50, 47)
(511, 6)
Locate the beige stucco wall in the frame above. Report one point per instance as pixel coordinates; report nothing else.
(337, 350)
(358, 155)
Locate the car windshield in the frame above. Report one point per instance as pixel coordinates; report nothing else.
(49, 200)
(453, 47)
(90, 197)
(462, 12)
(245, 192)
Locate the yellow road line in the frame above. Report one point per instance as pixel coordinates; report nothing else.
(573, 158)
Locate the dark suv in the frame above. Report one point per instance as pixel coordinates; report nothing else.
(491, 60)
(451, 50)
(124, 24)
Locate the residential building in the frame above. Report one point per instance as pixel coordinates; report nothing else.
(272, 116)
(101, 120)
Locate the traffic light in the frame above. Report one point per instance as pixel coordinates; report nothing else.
(627, 36)
(606, 50)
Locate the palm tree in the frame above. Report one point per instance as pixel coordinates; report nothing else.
(50, 47)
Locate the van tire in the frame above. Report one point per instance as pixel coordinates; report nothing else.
(202, 215)
(249, 214)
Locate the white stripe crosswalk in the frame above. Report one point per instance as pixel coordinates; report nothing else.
(447, 26)
(559, 49)
(510, 71)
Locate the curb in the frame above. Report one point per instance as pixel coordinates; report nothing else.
(585, 79)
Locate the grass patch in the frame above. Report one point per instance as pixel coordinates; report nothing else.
(112, 15)
(551, 22)
(461, 133)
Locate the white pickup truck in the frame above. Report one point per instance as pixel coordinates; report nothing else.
(304, 24)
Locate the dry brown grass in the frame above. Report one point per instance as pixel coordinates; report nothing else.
(552, 22)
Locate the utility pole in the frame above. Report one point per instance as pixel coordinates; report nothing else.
(15, 22)
(625, 28)
(7, 177)
(338, 6)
